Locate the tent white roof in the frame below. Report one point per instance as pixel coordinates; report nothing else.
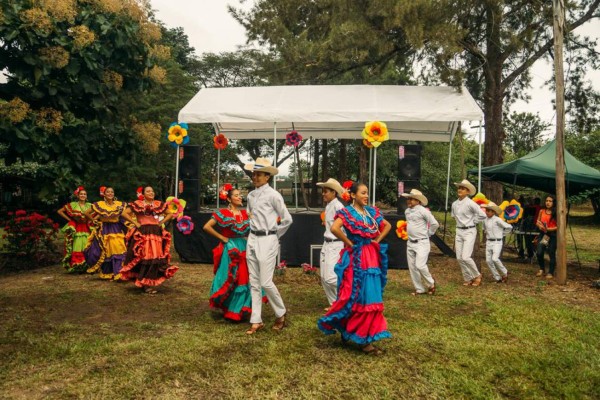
(421, 113)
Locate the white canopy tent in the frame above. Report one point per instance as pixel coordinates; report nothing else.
(419, 113)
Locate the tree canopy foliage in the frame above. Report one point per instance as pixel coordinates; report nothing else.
(91, 86)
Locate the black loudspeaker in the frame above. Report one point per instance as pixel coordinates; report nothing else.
(405, 187)
(189, 190)
(409, 162)
(189, 162)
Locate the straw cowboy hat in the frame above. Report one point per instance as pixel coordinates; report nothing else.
(465, 183)
(494, 207)
(261, 165)
(333, 185)
(416, 194)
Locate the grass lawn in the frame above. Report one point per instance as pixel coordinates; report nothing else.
(74, 336)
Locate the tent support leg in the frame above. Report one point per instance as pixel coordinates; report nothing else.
(447, 187)
(479, 166)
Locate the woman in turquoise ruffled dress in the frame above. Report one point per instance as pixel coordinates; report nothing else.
(230, 290)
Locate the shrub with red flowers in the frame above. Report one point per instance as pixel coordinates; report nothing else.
(308, 269)
(29, 236)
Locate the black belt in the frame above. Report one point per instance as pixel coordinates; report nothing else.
(332, 240)
(263, 233)
(465, 227)
(416, 240)
(494, 240)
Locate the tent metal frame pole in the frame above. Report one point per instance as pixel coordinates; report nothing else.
(370, 173)
(275, 153)
(176, 172)
(374, 174)
(218, 176)
(479, 166)
(448, 183)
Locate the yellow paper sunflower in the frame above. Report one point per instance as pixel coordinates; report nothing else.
(375, 133)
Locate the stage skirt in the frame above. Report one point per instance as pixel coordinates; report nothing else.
(148, 260)
(357, 312)
(230, 290)
(76, 237)
(105, 250)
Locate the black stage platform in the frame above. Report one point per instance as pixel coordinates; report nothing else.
(306, 230)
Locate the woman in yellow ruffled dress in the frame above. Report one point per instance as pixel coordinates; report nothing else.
(105, 251)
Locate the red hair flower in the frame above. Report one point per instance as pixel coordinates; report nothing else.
(346, 195)
(220, 142)
(140, 193)
(102, 190)
(224, 190)
(79, 189)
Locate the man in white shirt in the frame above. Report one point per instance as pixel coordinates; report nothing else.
(269, 220)
(467, 214)
(330, 252)
(495, 229)
(420, 225)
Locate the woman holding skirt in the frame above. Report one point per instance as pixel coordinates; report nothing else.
(357, 312)
(230, 290)
(76, 231)
(148, 260)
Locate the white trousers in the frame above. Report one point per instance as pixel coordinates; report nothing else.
(330, 254)
(417, 255)
(492, 258)
(464, 242)
(261, 255)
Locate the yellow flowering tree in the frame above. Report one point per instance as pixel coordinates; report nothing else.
(71, 67)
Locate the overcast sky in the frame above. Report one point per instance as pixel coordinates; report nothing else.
(210, 28)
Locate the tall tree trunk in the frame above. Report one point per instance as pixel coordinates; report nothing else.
(363, 160)
(342, 173)
(325, 162)
(493, 100)
(561, 200)
(314, 193)
(301, 178)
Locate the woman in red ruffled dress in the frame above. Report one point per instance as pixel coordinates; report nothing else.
(230, 290)
(357, 312)
(148, 259)
(77, 231)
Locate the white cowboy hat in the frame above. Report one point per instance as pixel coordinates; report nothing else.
(416, 194)
(494, 207)
(465, 183)
(333, 185)
(262, 165)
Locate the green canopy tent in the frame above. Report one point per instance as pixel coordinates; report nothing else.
(537, 170)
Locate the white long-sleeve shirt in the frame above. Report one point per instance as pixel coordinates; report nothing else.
(420, 223)
(265, 205)
(467, 213)
(330, 210)
(495, 228)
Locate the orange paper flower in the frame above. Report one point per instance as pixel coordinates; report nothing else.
(401, 229)
(220, 142)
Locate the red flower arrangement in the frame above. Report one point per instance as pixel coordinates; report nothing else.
(220, 142)
(224, 190)
(280, 268)
(308, 269)
(29, 234)
(102, 190)
(293, 139)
